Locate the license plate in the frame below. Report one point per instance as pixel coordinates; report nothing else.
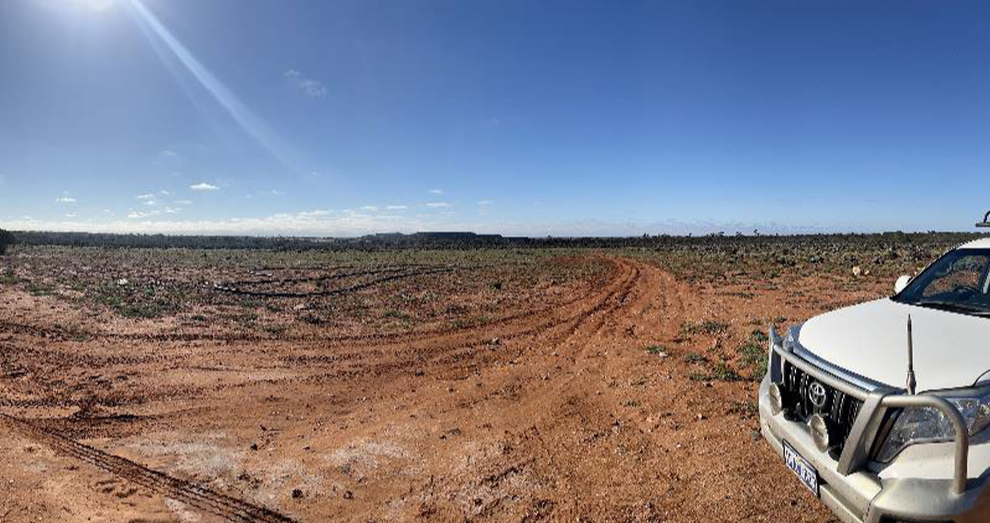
(801, 468)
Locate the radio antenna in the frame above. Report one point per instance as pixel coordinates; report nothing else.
(912, 384)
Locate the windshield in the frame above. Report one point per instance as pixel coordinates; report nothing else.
(956, 282)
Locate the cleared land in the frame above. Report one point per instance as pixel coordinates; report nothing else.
(502, 385)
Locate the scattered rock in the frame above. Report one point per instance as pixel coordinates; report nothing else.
(348, 495)
(857, 271)
(122, 282)
(254, 446)
(296, 493)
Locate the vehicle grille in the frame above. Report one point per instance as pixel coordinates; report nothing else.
(838, 408)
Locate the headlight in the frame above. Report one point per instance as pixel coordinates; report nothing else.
(928, 425)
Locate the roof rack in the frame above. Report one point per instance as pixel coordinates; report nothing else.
(986, 220)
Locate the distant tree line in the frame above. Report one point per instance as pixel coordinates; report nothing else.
(6, 240)
(466, 240)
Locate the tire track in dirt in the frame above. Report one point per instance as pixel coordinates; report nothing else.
(335, 292)
(363, 358)
(445, 347)
(198, 496)
(360, 359)
(569, 397)
(583, 318)
(433, 350)
(517, 392)
(616, 291)
(577, 328)
(456, 353)
(530, 411)
(69, 334)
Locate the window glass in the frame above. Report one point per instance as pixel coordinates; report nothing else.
(956, 282)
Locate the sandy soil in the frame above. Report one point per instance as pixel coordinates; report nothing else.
(552, 409)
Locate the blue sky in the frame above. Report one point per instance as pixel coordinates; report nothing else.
(520, 117)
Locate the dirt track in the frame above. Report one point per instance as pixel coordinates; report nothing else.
(542, 413)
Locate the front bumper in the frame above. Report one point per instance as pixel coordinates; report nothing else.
(853, 490)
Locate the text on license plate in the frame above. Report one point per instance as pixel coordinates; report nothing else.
(801, 468)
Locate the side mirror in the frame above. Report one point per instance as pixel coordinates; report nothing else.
(901, 283)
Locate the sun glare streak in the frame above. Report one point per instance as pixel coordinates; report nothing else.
(250, 123)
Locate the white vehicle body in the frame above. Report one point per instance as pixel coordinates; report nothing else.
(836, 403)
(870, 339)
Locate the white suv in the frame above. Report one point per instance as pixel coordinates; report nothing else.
(874, 439)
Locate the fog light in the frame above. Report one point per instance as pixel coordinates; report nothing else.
(819, 431)
(776, 399)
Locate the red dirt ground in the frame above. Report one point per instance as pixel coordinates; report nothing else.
(551, 409)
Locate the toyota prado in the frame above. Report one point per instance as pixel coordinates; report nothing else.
(882, 409)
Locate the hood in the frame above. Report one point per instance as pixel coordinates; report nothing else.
(870, 339)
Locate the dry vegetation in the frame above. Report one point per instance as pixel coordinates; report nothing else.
(484, 385)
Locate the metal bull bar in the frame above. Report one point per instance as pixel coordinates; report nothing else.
(878, 398)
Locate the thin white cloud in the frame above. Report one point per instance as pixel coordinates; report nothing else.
(163, 192)
(310, 87)
(438, 205)
(137, 215)
(151, 203)
(70, 215)
(396, 207)
(65, 199)
(307, 223)
(168, 153)
(171, 210)
(276, 192)
(182, 202)
(370, 208)
(204, 187)
(313, 214)
(146, 196)
(436, 191)
(313, 88)
(484, 203)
